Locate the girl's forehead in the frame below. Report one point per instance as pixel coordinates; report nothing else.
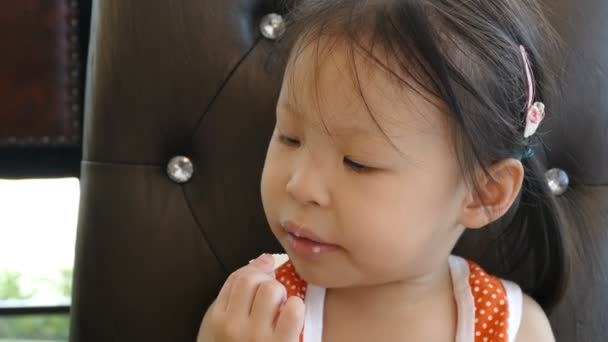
(346, 92)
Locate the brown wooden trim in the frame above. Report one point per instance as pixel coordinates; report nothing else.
(59, 84)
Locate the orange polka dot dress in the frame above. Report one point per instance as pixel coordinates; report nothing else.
(489, 308)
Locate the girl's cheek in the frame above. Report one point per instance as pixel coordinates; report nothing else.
(273, 172)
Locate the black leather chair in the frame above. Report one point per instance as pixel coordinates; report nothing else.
(194, 79)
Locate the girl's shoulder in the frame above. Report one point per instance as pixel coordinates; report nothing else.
(534, 323)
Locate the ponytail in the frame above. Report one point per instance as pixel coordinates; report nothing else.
(532, 251)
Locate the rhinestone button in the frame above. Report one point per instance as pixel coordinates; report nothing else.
(180, 169)
(272, 26)
(558, 181)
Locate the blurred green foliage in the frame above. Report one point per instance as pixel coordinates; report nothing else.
(53, 327)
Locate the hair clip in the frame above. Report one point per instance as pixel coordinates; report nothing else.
(535, 115)
(535, 111)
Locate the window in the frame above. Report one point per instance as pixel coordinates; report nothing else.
(37, 237)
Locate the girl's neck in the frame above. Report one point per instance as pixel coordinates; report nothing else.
(399, 311)
(403, 297)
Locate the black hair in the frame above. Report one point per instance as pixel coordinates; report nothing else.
(467, 53)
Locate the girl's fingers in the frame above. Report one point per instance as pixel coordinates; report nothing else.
(245, 285)
(291, 320)
(264, 263)
(221, 301)
(268, 298)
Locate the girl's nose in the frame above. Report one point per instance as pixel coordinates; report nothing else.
(308, 186)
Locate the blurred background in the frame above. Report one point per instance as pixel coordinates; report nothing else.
(42, 72)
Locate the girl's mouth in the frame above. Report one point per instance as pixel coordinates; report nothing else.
(305, 243)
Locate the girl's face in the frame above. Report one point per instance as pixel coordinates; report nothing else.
(386, 200)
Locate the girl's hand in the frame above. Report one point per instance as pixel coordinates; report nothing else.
(253, 306)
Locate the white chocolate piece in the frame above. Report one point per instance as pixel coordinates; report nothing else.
(279, 259)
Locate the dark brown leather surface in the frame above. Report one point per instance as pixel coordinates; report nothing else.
(578, 137)
(40, 67)
(187, 77)
(578, 143)
(144, 268)
(150, 263)
(583, 313)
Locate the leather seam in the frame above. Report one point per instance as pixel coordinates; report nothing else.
(221, 88)
(202, 231)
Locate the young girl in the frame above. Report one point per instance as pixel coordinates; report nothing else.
(401, 124)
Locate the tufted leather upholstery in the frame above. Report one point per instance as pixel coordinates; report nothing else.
(193, 78)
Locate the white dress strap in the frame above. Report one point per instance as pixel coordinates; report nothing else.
(313, 319)
(515, 299)
(459, 270)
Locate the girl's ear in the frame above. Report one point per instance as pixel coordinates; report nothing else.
(497, 191)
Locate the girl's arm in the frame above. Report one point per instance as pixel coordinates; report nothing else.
(534, 326)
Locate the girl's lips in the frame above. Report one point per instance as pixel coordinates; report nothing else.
(307, 248)
(302, 231)
(306, 243)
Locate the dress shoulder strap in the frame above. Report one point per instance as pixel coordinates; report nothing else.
(313, 296)
(295, 286)
(492, 309)
(286, 275)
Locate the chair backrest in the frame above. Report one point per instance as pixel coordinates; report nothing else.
(193, 78)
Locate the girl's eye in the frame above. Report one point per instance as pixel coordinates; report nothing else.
(289, 141)
(357, 167)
